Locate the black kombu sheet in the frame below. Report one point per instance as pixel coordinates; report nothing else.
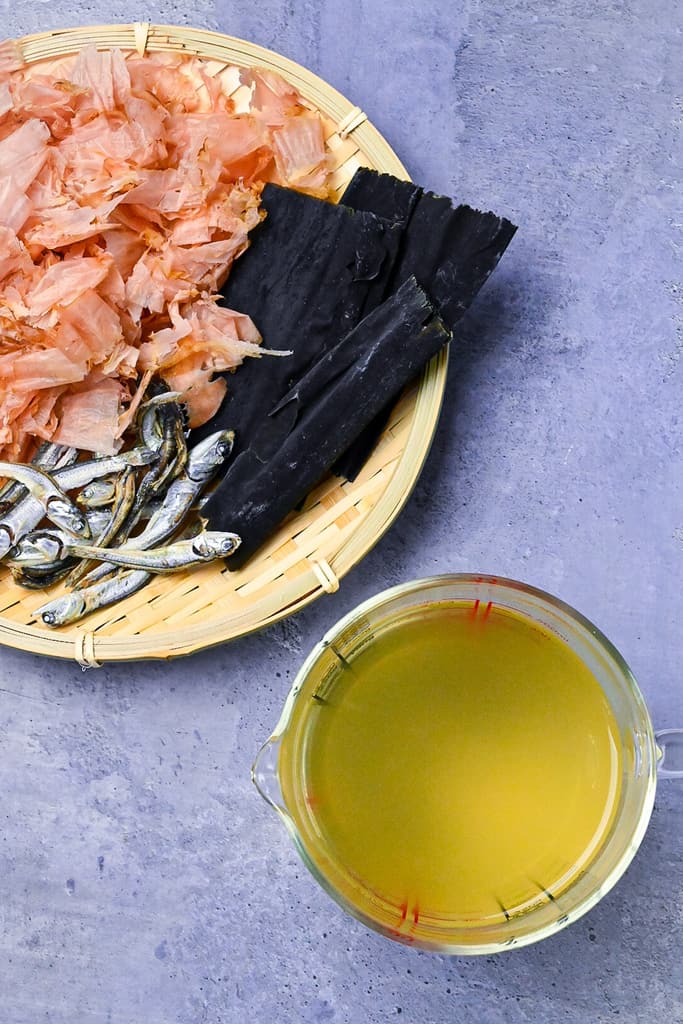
(450, 250)
(311, 273)
(311, 280)
(320, 416)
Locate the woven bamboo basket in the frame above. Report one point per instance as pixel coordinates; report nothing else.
(339, 522)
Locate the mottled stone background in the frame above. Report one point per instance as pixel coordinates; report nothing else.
(142, 880)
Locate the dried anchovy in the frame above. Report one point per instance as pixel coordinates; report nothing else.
(98, 493)
(183, 554)
(172, 486)
(123, 503)
(56, 504)
(204, 461)
(159, 475)
(75, 605)
(49, 456)
(27, 513)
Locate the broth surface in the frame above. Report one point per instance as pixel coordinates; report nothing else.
(464, 763)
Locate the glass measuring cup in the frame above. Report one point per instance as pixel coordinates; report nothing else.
(641, 750)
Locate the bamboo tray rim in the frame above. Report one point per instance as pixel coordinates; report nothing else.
(285, 597)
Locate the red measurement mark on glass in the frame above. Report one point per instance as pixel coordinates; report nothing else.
(475, 608)
(487, 610)
(312, 801)
(404, 912)
(416, 915)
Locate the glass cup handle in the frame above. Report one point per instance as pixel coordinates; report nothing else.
(265, 777)
(669, 753)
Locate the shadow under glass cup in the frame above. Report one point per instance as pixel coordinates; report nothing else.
(282, 768)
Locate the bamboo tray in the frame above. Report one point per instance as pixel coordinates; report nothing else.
(339, 522)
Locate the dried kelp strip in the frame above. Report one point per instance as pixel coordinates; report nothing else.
(389, 197)
(312, 272)
(450, 250)
(322, 414)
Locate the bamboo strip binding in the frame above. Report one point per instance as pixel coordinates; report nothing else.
(340, 522)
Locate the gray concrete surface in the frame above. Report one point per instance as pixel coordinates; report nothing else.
(142, 881)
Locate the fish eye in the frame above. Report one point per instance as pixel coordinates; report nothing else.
(49, 618)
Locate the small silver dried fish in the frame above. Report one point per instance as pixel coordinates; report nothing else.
(123, 503)
(41, 549)
(28, 512)
(50, 571)
(75, 605)
(49, 456)
(75, 477)
(203, 462)
(98, 493)
(98, 519)
(175, 484)
(56, 504)
(172, 457)
(151, 428)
